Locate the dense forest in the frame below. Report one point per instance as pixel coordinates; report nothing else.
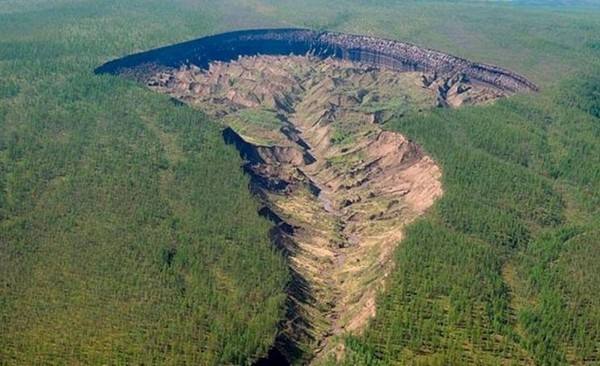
(506, 267)
(128, 234)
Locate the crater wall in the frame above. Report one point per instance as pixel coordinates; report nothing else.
(365, 49)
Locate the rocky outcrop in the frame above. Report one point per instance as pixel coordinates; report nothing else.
(365, 49)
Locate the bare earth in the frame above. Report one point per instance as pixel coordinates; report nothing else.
(340, 188)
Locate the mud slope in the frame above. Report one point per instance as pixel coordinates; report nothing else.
(339, 188)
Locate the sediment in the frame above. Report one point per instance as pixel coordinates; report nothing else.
(305, 109)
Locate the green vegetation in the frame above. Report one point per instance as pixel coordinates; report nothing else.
(263, 118)
(344, 133)
(257, 122)
(504, 267)
(127, 233)
(541, 42)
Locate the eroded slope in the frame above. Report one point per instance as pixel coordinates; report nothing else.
(339, 187)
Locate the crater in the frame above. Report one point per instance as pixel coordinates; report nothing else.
(305, 110)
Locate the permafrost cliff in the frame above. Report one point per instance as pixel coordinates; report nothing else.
(371, 50)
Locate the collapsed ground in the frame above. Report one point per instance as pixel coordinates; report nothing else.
(86, 213)
(340, 189)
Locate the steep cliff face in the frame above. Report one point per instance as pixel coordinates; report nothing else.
(402, 56)
(370, 50)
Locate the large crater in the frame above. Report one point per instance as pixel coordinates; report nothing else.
(305, 110)
(375, 51)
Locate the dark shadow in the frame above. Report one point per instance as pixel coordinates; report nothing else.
(273, 358)
(367, 50)
(294, 330)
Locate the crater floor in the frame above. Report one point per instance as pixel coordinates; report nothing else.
(339, 187)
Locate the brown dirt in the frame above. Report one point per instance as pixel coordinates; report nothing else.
(341, 188)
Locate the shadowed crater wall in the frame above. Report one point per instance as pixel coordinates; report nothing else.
(371, 50)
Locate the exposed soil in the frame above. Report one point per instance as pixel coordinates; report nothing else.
(339, 188)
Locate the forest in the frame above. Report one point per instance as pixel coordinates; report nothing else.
(128, 234)
(505, 269)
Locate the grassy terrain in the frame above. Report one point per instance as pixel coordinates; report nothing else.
(257, 122)
(127, 234)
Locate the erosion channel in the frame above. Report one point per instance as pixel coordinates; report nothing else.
(339, 188)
